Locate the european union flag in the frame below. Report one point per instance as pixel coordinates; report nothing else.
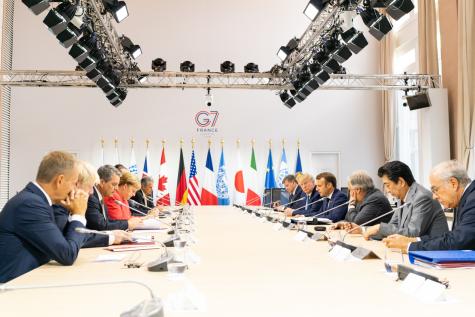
(270, 178)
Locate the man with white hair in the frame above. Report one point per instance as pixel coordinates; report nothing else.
(452, 187)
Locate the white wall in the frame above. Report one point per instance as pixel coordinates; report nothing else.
(207, 33)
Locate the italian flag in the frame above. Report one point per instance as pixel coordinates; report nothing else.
(252, 198)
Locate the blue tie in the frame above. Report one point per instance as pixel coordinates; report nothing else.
(306, 203)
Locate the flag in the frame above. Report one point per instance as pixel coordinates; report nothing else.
(208, 192)
(283, 170)
(145, 166)
(252, 198)
(270, 178)
(163, 194)
(222, 182)
(239, 189)
(193, 190)
(181, 196)
(116, 154)
(298, 164)
(133, 163)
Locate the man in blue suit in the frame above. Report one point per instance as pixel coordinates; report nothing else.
(312, 202)
(29, 236)
(452, 187)
(335, 199)
(296, 194)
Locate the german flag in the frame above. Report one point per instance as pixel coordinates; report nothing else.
(181, 196)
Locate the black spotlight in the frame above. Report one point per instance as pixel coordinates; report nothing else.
(418, 101)
(69, 36)
(341, 53)
(122, 94)
(187, 67)
(131, 48)
(319, 74)
(398, 8)
(355, 40)
(313, 8)
(95, 74)
(251, 68)
(227, 67)
(378, 24)
(288, 101)
(159, 65)
(57, 19)
(118, 9)
(88, 64)
(285, 51)
(330, 65)
(36, 6)
(80, 50)
(105, 84)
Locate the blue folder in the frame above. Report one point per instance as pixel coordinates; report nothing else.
(442, 256)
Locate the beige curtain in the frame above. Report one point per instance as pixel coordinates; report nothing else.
(387, 98)
(466, 79)
(427, 24)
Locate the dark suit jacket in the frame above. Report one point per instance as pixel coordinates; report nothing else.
(299, 194)
(61, 216)
(309, 207)
(462, 236)
(139, 197)
(96, 219)
(29, 236)
(337, 198)
(373, 205)
(421, 216)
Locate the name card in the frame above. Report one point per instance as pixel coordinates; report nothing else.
(339, 253)
(300, 236)
(278, 227)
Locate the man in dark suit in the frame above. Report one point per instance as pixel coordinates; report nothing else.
(29, 236)
(366, 202)
(143, 197)
(335, 199)
(312, 202)
(96, 213)
(296, 194)
(453, 188)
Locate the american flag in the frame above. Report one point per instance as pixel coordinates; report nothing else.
(193, 185)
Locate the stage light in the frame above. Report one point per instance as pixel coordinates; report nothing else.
(159, 65)
(285, 51)
(69, 36)
(330, 65)
(88, 63)
(105, 84)
(251, 68)
(118, 9)
(313, 8)
(288, 101)
(355, 40)
(187, 67)
(398, 8)
(122, 95)
(227, 67)
(36, 6)
(80, 50)
(134, 50)
(57, 19)
(418, 101)
(142, 79)
(94, 74)
(378, 24)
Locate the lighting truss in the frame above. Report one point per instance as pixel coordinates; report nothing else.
(267, 81)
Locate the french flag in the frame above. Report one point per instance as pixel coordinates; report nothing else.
(208, 191)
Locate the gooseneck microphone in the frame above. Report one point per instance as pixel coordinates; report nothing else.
(333, 208)
(289, 203)
(307, 205)
(140, 212)
(375, 218)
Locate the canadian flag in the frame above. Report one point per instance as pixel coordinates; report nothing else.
(163, 195)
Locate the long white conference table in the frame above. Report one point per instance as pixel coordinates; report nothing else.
(247, 268)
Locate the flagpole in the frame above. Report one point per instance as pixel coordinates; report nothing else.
(192, 143)
(116, 142)
(271, 191)
(102, 150)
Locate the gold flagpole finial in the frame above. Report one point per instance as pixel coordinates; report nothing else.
(163, 142)
(181, 142)
(116, 142)
(298, 144)
(222, 143)
(238, 142)
(253, 142)
(147, 142)
(209, 142)
(283, 143)
(132, 141)
(102, 142)
(193, 143)
(270, 143)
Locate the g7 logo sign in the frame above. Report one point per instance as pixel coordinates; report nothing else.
(206, 119)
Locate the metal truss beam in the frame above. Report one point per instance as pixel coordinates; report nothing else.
(47, 78)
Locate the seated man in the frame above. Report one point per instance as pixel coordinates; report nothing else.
(366, 202)
(29, 237)
(96, 213)
(420, 214)
(453, 189)
(86, 179)
(143, 197)
(296, 194)
(326, 186)
(312, 201)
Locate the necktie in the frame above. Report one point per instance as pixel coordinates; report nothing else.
(103, 211)
(306, 203)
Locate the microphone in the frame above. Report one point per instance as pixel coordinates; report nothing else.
(305, 206)
(142, 205)
(152, 307)
(376, 218)
(140, 212)
(285, 205)
(87, 231)
(333, 208)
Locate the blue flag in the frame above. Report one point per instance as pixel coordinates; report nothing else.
(284, 170)
(222, 183)
(270, 178)
(298, 165)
